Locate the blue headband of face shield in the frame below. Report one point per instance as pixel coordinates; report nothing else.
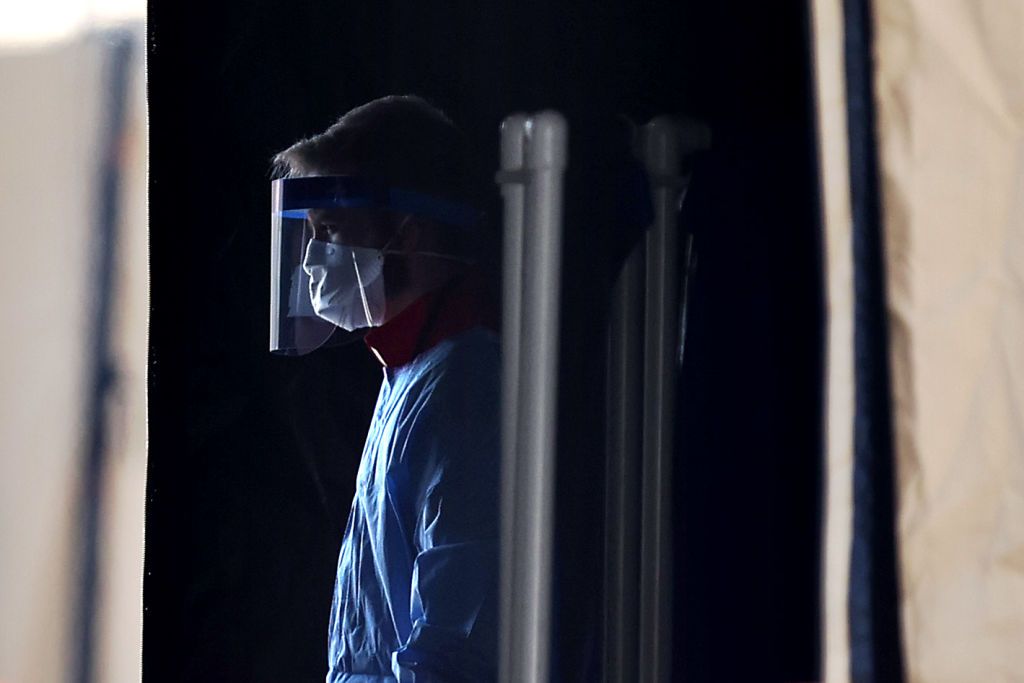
(293, 197)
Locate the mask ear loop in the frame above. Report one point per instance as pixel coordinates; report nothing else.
(362, 291)
(359, 277)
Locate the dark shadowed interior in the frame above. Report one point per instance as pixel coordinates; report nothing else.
(252, 458)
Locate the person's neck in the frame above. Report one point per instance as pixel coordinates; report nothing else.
(433, 316)
(426, 275)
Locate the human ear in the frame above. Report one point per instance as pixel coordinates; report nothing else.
(409, 234)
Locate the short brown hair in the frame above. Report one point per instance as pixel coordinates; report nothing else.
(399, 139)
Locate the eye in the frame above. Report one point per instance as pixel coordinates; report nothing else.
(339, 229)
(322, 231)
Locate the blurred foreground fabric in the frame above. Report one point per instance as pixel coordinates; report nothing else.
(51, 135)
(949, 99)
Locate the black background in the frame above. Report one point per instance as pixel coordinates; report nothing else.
(252, 457)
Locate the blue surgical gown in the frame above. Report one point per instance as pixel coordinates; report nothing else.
(416, 592)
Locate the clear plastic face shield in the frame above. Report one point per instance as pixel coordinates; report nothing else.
(325, 291)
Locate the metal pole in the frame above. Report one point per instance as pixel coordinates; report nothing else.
(513, 144)
(660, 146)
(645, 338)
(532, 491)
(625, 445)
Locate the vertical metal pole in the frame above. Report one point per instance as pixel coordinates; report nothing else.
(513, 145)
(660, 146)
(546, 158)
(625, 445)
(645, 336)
(532, 490)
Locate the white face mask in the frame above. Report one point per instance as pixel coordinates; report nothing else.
(346, 284)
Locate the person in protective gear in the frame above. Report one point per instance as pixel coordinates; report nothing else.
(372, 235)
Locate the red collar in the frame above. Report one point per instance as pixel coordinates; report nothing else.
(434, 317)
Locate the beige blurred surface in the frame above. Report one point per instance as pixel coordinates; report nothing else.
(49, 134)
(950, 89)
(45, 215)
(119, 652)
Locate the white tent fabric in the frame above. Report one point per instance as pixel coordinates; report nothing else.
(50, 116)
(949, 78)
(838, 225)
(119, 617)
(46, 213)
(950, 96)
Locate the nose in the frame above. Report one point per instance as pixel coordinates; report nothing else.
(319, 231)
(314, 257)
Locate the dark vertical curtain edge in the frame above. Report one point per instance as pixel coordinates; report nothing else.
(119, 47)
(873, 602)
